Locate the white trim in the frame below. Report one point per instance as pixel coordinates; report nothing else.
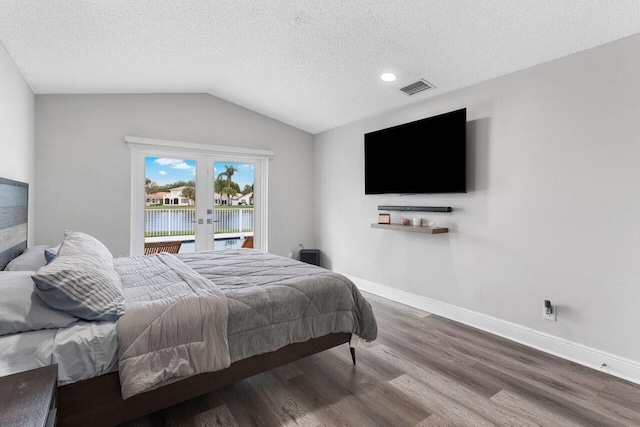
(137, 194)
(260, 199)
(139, 141)
(615, 365)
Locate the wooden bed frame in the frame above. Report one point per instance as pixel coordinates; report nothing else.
(98, 402)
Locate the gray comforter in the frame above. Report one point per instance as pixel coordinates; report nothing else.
(184, 312)
(275, 301)
(174, 326)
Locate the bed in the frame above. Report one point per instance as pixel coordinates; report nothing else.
(274, 310)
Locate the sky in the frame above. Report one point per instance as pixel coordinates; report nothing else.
(164, 170)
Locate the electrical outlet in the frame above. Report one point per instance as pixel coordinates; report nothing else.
(549, 311)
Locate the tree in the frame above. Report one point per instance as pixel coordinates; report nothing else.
(190, 194)
(228, 173)
(247, 189)
(229, 191)
(150, 186)
(219, 184)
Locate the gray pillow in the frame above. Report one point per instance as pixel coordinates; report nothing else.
(84, 286)
(22, 310)
(29, 260)
(51, 253)
(79, 243)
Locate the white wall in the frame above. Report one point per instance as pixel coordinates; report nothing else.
(84, 166)
(552, 211)
(16, 129)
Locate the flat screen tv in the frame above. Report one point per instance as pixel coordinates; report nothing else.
(424, 156)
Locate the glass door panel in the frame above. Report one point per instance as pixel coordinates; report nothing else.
(233, 203)
(170, 217)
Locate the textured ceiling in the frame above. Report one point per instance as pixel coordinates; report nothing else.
(312, 64)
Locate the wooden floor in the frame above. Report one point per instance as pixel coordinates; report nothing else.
(422, 370)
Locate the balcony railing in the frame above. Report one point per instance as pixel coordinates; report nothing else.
(182, 222)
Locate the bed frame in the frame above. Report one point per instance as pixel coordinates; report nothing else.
(98, 402)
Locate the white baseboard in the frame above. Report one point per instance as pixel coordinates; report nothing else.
(615, 365)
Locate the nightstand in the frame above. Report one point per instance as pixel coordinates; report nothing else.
(29, 398)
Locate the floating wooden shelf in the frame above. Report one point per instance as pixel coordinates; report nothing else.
(412, 228)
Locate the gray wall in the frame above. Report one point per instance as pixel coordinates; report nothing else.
(16, 129)
(84, 167)
(552, 210)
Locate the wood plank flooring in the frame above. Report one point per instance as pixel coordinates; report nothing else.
(422, 370)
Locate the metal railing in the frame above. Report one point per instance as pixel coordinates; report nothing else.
(181, 222)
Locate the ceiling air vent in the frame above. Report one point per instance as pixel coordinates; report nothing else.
(416, 87)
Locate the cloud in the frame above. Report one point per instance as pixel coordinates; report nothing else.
(178, 164)
(167, 162)
(181, 165)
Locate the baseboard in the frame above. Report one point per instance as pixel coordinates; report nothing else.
(615, 365)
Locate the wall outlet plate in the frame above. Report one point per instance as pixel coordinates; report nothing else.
(552, 316)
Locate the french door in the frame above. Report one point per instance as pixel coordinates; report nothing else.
(196, 200)
(232, 210)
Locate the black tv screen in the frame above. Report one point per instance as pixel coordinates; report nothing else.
(424, 156)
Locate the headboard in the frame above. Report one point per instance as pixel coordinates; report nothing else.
(14, 210)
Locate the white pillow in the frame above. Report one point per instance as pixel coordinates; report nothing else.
(22, 310)
(79, 243)
(29, 260)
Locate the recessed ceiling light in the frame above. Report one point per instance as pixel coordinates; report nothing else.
(388, 77)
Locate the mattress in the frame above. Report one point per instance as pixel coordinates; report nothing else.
(82, 351)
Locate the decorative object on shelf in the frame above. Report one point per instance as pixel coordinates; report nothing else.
(384, 218)
(416, 222)
(404, 221)
(425, 230)
(428, 223)
(416, 208)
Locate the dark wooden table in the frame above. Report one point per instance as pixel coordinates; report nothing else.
(29, 398)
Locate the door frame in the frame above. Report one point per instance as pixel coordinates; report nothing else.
(142, 147)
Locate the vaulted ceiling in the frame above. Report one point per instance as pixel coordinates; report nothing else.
(313, 64)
